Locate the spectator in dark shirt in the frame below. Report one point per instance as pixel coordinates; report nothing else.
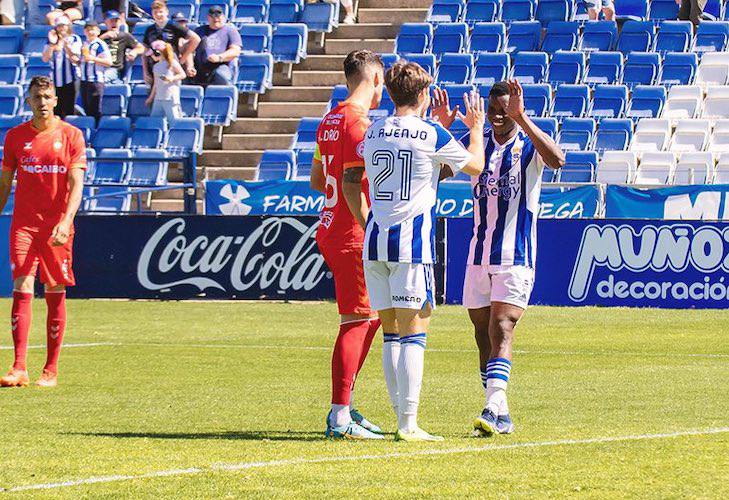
(119, 6)
(691, 10)
(180, 19)
(220, 46)
(124, 48)
(170, 32)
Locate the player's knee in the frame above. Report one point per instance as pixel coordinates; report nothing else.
(57, 288)
(504, 326)
(24, 284)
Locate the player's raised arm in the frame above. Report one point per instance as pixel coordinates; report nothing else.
(474, 119)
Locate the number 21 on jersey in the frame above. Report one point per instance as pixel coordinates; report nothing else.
(385, 159)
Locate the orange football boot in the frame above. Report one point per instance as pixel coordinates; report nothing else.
(15, 378)
(47, 379)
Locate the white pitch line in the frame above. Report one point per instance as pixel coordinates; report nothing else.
(65, 346)
(351, 458)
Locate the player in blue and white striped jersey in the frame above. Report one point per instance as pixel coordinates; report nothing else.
(501, 258)
(403, 154)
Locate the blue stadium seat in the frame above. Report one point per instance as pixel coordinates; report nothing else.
(426, 61)
(553, 10)
(712, 10)
(635, 10)
(561, 35)
(566, 67)
(518, 10)
(116, 97)
(111, 172)
(339, 94)
(674, 36)
(36, 39)
(599, 36)
(285, 11)
(112, 132)
(414, 38)
(576, 134)
(86, 124)
(188, 8)
(255, 37)
(90, 164)
(139, 29)
(455, 95)
(388, 59)
(661, 10)
(148, 173)
(579, 166)
(11, 99)
(34, 66)
(636, 36)
(255, 73)
(614, 134)
(219, 105)
(304, 159)
(458, 129)
(679, 68)
(608, 101)
(524, 36)
(537, 98)
(479, 11)
(191, 97)
(455, 68)
(6, 123)
(245, 12)
(305, 137)
(11, 39)
(288, 43)
(605, 68)
(118, 202)
(185, 136)
(446, 11)
(711, 36)
(386, 107)
(548, 125)
(275, 165)
(149, 132)
(136, 106)
(136, 73)
(488, 37)
(449, 37)
(529, 67)
(646, 102)
(491, 68)
(570, 101)
(11, 68)
(320, 17)
(641, 68)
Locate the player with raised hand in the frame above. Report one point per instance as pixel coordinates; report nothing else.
(338, 171)
(403, 154)
(502, 254)
(49, 158)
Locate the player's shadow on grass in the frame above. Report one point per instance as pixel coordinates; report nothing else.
(232, 435)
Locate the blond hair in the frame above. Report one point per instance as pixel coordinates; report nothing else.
(405, 81)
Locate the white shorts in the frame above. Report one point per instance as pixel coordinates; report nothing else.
(399, 284)
(486, 284)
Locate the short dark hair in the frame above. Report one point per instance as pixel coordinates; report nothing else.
(357, 60)
(405, 81)
(42, 82)
(499, 89)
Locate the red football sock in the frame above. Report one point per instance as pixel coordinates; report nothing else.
(55, 327)
(20, 318)
(346, 357)
(374, 326)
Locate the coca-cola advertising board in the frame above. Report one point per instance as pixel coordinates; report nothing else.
(179, 257)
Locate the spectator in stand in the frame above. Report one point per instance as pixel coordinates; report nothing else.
(124, 48)
(180, 19)
(63, 51)
(73, 10)
(691, 10)
(595, 6)
(95, 59)
(170, 32)
(168, 75)
(119, 6)
(220, 46)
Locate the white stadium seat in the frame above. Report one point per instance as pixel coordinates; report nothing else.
(684, 101)
(655, 168)
(714, 69)
(719, 140)
(721, 174)
(690, 135)
(617, 167)
(651, 134)
(716, 104)
(694, 168)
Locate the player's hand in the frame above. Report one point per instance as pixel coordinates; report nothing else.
(475, 116)
(515, 109)
(60, 234)
(440, 108)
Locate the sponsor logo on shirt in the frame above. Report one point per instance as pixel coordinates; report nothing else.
(28, 146)
(507, 187)
(360, 149)
(57, 145)
(406, 298)
(45, 169)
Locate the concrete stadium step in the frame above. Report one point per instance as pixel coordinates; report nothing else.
(391, 4)
(345, 46)
(257, 141)
(323, 62)
(162, 205)
(317, 78)
(231, 158)
(291, 109)
(239, 173)
(366, 30)
(263, 126)
(392, 15)
(300, 94)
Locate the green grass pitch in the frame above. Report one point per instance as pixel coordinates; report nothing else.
(228, 399)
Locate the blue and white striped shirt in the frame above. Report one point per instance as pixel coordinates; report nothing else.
(63, 71)
(94, 72)
(403, 155)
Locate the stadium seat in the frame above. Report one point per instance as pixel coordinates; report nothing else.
(690, 135)
(455, 68)
(636, 36)
(187, 8)
(616, 167)
(305, 137)
(455, 94)
(608, 101)
(304, 159)
(34, 66)
(655, 168)
(139, 29)
(579, 167)
(713, 69)
(288, 43)
(149, 132)
(646, 102)
(549, 11)
(561, 35)
(683, 101)
(537, 98)
(712, 10)
(426, 61)
(445, 11)
(387, 107)
(478, 11)
(255, 38)
(136, 73)
(11, 39)
(276, 164)
(121, 202)
(36, 39)
(570, 101)
(576, 134)
(716, 104)
(11, 69)
(86, 124)
(694, 168)
(488, 37)
(641, 68)
(518, 10)
(414, 38)
(115, 100)
(285, 11)
(388, 59)
(148, 173)
(449, 37)
(721, 173)
(255, 73)
(719, 140)
(613, 134)
(636, 10)
(674, 36)
(651, 134)
(185, 136)
(321, 17)
(136, 106)
(458, 129)
(529, 67)
(546, 124)
(524, 36)
(599, 36)
(491, 68)
(566, 67)
(339, 94)
(711, 36)
(661, 10)
(191, 97)
(112, 132)
(219, 105)
(678, 69)
(111, 172)
(245, 12)
(604, 68)
(11, 99)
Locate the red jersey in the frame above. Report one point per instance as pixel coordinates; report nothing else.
(339, 140)
(42, 160)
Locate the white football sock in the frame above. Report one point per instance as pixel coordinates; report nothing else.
(390, 356)
(340, 415)
(496, 398)
(410, 380)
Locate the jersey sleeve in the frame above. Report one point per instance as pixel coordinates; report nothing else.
(353, 144)
(449, 151)
(10, 161)
(77, 151)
